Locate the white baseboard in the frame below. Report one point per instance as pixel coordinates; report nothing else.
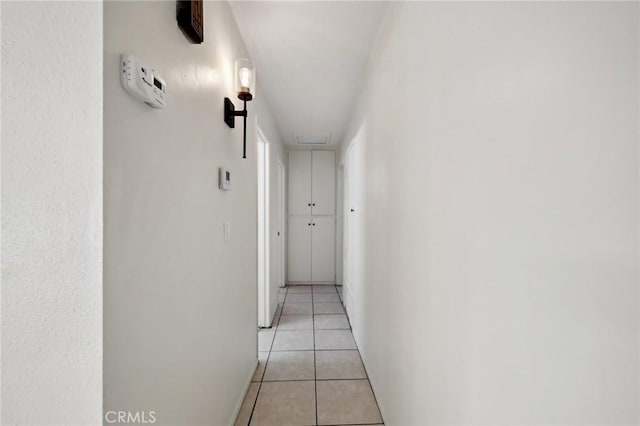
(348, 301)
(244, 394)
(371, 381)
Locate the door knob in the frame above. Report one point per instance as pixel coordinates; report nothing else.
(314, 204)
(309, 204)
(314, 224)
(309, 224)
(352, 210)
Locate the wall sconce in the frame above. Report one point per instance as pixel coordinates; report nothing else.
(245, 87)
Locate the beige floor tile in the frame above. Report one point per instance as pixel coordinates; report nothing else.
(262, 362)
(329, 322)
(247, 405)
(339, 365)
(285, 403)
(265, 338)
(293, 340)
(276, 316)
(324, 289)
(298, 298)
(297, 309)
(346, 402)
(325, 297)
(327, 308)
(334, 339)
(293, 289)
(295, 322)
(294, 365)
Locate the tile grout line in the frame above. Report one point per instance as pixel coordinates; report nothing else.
(253, 409)
(317, 380)
(368, 381)
(307, 329)
(289, 315)
(362, 362)
(315, 350)
(315, 374)
(354, 424)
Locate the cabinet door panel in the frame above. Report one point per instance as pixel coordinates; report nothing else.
(299, 182)
(323, 246)
(323, 182)
(299, 238)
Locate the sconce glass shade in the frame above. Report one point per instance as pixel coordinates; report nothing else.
(245, 79)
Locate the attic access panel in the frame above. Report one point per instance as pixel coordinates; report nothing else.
(313, 139)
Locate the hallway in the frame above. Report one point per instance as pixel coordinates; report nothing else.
(320, 213)
(310, 371)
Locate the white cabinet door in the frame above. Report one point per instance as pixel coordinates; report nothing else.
(323, 249)
(300, 182)
(323, 182)
(299, 239)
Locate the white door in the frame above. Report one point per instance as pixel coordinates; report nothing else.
(299, 244)
(300, 182)
(339, 222)
(266, 300)
(352, 241)
(323, 245)
(281, 224)
(323, 182)
(349, 231)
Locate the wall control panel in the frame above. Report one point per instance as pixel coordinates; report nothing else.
(224, 179)
(142, 82)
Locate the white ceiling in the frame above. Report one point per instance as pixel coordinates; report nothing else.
(310, 58)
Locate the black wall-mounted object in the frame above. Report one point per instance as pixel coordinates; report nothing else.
(230, 115)
(190, 17)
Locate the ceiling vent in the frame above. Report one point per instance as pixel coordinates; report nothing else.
(319, 139)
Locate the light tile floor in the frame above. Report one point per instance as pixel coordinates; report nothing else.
(309, 368)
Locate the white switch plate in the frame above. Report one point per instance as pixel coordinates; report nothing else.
(227, 230)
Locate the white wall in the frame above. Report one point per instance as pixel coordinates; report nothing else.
(51, 213)
(180, 303)
(501, 187)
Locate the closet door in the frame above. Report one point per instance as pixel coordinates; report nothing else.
(299, 238)
(323, 249)
(323, 182)
(300, 182)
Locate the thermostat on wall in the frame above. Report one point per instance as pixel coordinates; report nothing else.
(224, 178)
(142, 82)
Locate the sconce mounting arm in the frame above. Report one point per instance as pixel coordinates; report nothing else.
(230, 115)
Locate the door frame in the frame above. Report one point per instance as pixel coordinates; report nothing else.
(264, 284)
(340, 212)
(282, 221)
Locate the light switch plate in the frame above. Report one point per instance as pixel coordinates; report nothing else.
(227, 230)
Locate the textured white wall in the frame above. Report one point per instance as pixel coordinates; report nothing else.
(180, 302)
(501, 214)
(51, 213)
